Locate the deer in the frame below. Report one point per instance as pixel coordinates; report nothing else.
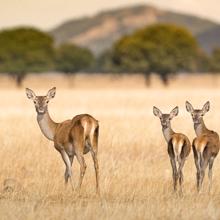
(205, 145)
(73, 137)
(179, 146)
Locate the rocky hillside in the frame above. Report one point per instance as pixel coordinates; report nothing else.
(102, 30)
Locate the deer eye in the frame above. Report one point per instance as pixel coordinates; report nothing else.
(35, 102)
(47, 101)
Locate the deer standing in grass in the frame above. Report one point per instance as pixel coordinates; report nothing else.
(205, 145)
(71, 137)
(178, 145)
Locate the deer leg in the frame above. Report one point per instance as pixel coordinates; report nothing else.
(96, 166)
(71, 159)
(197, 164)
(94, 152)
(197, 179)
(66, 175)
(175, 173)
(181, 164)
(211, 161)
(202, 172)
(82, 163)
(68, 172)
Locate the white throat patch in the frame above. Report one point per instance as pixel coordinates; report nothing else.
(45, 127)
(167, 134)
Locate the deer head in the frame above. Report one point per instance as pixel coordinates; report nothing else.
(41, 102)
(165, 118)
(197, 114)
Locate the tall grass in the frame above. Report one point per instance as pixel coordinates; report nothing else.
(135, 172)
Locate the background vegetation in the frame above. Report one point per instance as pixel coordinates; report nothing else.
(164, 49)
(25, 50)
(70, 59)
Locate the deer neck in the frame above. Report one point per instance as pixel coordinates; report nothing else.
(47, 125)
(200, 128)
(167, 133)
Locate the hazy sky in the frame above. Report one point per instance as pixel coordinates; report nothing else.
(46, 14)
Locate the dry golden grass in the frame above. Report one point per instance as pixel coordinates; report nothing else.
(136, 178)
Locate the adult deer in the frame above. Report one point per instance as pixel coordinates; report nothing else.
(178, 145)
(71, 137)
(205, 145)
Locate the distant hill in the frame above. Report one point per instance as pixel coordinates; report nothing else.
(210, 39)
(102, 30)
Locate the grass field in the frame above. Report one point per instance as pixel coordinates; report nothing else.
(135, 172)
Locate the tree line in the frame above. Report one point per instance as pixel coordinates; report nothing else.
(163, 49)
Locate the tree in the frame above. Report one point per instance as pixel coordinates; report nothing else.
(71, 58)
(160, 48)
(104, 62)
(24, 50)
(215, 60)
(203, 62)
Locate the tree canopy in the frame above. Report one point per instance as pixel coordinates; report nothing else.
(215, 60)
(71, 58)
(24, 50)
(160, 48)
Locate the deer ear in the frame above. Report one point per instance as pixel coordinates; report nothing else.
(174, 112)
(206, 107)
(30, 94)
(51, 93)
(189, 107)
(157, 112)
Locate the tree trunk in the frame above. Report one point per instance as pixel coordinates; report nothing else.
(165, 78)
(147, 77)
(71, 79)
(18, 78)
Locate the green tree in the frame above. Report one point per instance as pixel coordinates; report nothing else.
(24, 50)
(71, 58)
(203, 62)
(160, 48)
(104, 63)
(215, 60)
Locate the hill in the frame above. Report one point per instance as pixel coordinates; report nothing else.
(99, 32)
(210, 38)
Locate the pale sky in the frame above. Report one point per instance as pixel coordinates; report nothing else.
(46, 14)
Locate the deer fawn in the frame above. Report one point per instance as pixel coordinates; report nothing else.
(178, 145)
(71, 137)
(205, 145)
